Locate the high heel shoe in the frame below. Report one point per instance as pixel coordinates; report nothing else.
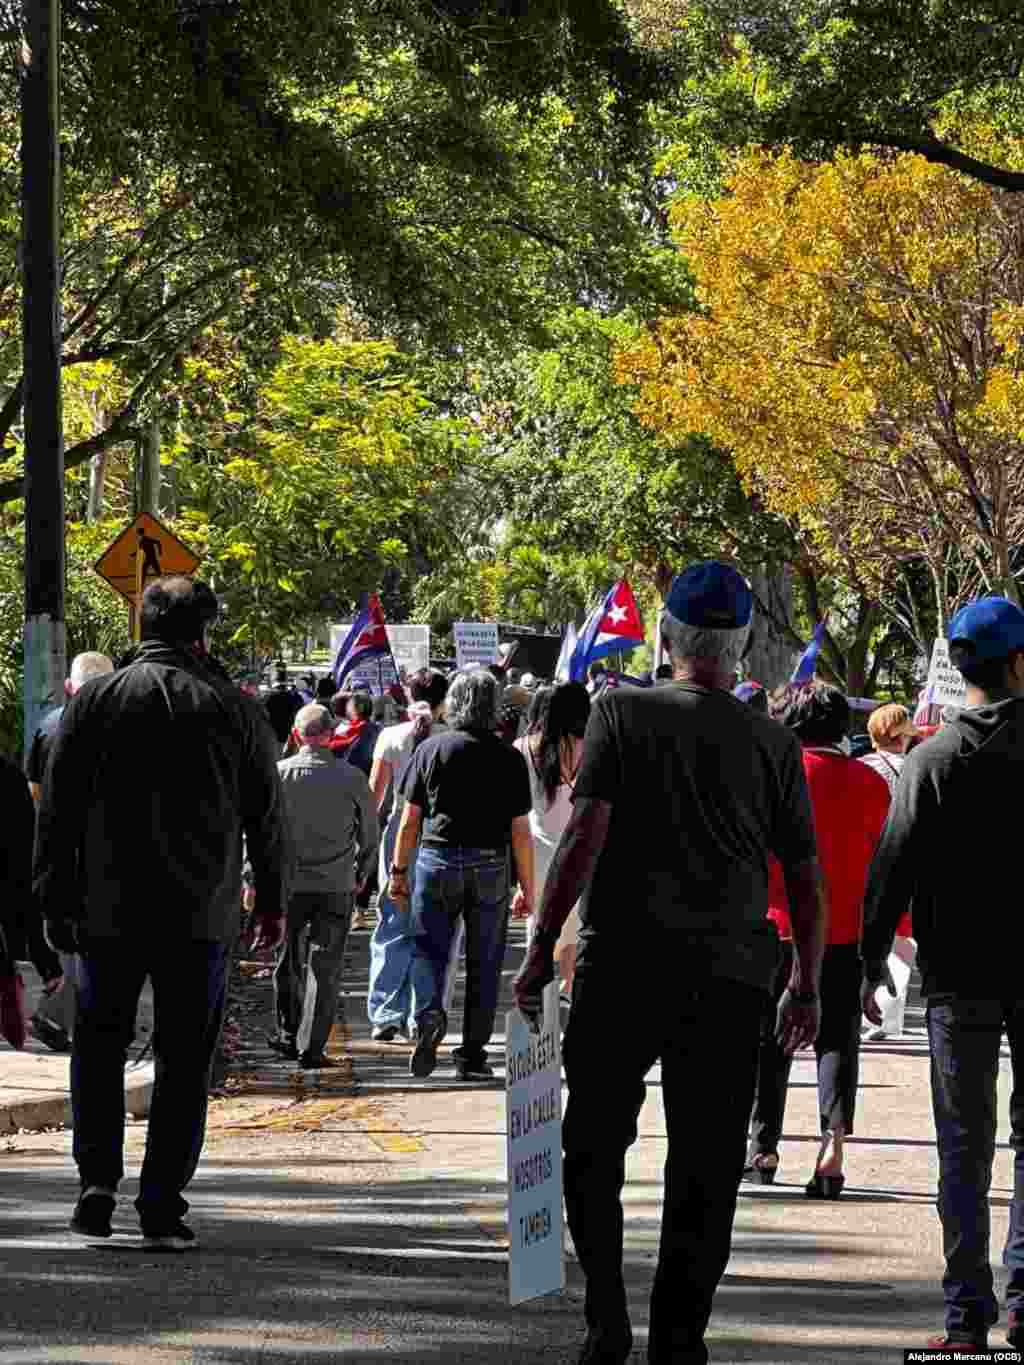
(824, 1186)
(762, 1168)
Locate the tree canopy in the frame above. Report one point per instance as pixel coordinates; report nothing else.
(824, 74)
(858, 350)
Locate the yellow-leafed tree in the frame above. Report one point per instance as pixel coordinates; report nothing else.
(858, 350)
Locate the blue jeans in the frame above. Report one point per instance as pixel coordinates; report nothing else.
(964, 1036)
(391, 948)
(188, 1002)
(471, 884)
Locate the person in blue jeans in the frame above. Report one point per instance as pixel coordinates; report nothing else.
(467, 796)
(949, 850)
(389, 1002)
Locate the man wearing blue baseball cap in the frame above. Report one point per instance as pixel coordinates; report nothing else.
(682, 793)
(949, 849)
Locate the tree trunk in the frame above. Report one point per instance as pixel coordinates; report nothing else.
(97, 486)
(772, 654)
(149, 469)
(168, 473)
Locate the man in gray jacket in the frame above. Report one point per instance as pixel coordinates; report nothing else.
(335, 836)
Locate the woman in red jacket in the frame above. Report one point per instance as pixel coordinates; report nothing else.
(850, 804)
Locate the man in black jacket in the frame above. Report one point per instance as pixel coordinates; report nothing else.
(949, 850)
(159, 771)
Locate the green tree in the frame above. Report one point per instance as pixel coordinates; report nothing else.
(334, 472)
(821, 74)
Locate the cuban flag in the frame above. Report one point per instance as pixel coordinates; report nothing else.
(368, 639)
(804, 671)
(564, 666)
(613, 627)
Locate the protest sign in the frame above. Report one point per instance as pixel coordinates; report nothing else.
(476, 642)
(410, 646)
(534, 1125)
(946, 685)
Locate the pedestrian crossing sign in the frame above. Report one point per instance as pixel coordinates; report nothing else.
(145, 549)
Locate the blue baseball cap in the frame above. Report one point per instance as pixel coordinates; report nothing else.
(747, 691)
(711, 595)
(992, 627)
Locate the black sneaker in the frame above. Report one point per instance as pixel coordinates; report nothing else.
(169, 1237)
(388, 1034)
(432, 1027)
(52, 1035)
(93, 1213)
(283, 1047)
(473, 1071)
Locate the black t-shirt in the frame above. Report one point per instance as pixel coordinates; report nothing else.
(702, 789)
(39, 751)
(470, 787)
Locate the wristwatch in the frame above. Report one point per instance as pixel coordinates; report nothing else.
(397, 871)
(803, 997)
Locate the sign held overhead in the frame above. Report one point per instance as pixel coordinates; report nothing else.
(476, 642)
(946, 684)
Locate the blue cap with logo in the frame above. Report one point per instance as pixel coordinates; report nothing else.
(711, 595)
(991, 626)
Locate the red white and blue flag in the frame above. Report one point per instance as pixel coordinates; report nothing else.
(368, 639)
(613, 627)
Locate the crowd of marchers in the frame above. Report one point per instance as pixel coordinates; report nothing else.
(717, 849)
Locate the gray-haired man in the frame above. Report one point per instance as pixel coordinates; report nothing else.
(335, 836)
(54, 1018)
(681, 795)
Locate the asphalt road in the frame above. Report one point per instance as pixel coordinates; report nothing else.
(369, 1226)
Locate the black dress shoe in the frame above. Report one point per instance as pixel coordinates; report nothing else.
(606, 1348)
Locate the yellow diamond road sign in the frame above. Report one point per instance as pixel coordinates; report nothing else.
(144, 550)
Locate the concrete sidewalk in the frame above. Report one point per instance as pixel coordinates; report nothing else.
(35, 1085)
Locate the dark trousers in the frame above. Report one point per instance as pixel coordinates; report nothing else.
(837, 1049)
(705, 1146)
(307, 978)
(964, 1036)
(188, 1002)
(471, 883)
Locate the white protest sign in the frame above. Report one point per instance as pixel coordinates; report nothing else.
(946, 685)
(411, 646)
(476, 642)
(536, 1262)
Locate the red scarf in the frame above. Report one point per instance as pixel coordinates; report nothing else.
(348, 736)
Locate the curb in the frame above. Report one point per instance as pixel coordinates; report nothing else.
(54, 1111)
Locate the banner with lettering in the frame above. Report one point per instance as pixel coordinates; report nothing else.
(534, 1124)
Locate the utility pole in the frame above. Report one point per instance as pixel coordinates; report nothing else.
(41, 345)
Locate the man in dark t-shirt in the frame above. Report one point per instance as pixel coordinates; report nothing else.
(282, 704)
(681, 795)
(468, 794)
